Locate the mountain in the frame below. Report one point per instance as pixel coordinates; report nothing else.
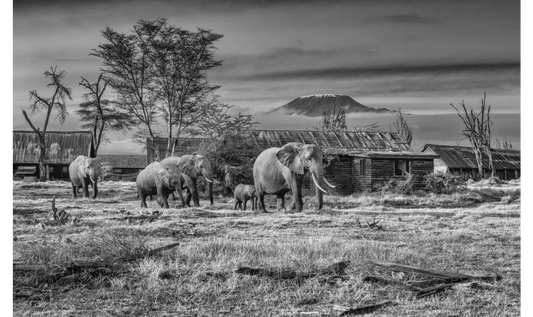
(314, 106)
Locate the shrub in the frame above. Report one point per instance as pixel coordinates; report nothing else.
(402, 185)
(442, 183)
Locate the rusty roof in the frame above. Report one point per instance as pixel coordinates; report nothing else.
(124, 161)
(63, 146)
(335, 143)
(463, 157)
(348, 143)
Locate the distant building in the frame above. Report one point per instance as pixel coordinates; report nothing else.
(122, 166)
(460, 160)
(63, 148)
(362, 160)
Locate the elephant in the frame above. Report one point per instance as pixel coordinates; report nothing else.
(171, 163)
(280, 170)
(191, 167)
(84, 171)
(243, 193)
(154, 179)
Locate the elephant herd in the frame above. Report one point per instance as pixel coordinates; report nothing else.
(276, 171)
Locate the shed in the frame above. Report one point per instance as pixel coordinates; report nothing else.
(122, 166)
(461, 161)
(63, 148)
(360, 160)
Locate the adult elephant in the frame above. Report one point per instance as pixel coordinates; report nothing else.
(154, 179)
(278, 170)
(192, 167)
(84, 171)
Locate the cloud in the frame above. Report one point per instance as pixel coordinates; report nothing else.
(356, 72)
(408, 18)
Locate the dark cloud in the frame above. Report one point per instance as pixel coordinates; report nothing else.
(408, 18)
(357, 72)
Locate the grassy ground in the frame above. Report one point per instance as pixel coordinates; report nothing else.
(475, 232)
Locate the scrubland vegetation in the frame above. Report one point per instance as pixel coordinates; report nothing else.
(475, 230)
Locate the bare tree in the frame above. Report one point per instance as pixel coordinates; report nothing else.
(402, 128)
(126, 62)
(503, 144)
(333, 120)
(100, 115)
(478, 131)
(180, 60)
(57, 101)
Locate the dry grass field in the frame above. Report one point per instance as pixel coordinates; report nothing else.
(474, 232)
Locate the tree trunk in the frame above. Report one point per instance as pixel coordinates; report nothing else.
(42, 167)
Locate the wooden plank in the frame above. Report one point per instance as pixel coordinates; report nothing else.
(362, 309)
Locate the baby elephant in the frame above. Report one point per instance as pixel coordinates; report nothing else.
(245, 193)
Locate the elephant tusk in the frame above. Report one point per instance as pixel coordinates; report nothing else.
(92, 180)
(216, 182)
(99, 178)
(325, 180)
(316, 183)
(207, 179)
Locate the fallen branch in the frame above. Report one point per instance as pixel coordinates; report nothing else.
(362, 309)
(278, 273)
(433, 290)
(444, 276)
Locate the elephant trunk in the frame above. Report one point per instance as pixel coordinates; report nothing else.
(211, 193)
(92, 180)
(320, 182)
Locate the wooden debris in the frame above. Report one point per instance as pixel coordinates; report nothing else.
(444, 276)
(362, 309)
(433, 290)
(282, 274)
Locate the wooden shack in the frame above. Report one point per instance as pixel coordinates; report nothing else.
(62, 148)
(122, 167)
(461, 161)
(359, 161)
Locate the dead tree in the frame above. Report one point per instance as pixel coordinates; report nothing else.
(57, 101)
(333, 120)
(402, 128)
(478, 131)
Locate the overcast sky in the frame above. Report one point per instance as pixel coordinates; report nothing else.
(419, 55)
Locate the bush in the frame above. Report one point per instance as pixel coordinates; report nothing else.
(402, 185)
(442, 183)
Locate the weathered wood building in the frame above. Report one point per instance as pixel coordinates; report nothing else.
(63, 148)
(122, 167)
(461, 161)
(359, 160)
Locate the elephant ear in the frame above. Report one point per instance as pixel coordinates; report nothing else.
(161, 175)
(289, 155)
(83, 166)
(186, 165)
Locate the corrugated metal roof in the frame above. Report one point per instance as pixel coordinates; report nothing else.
(124, 161)
(335, 143)
(463, 157)
(349, 143)
(63, 146)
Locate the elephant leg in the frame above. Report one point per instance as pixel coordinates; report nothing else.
(143, 199)
(188, 197)
(245, 200)
(74, 191)
(262, 203)
(95, 189)
(194, 191)
(236, 204)
(281, 202)
(254, 203)
(173, 196)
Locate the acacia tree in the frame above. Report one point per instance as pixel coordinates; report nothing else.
(126, 62)
(402, 128)
(478, 131)
(180, 61)
(57, 102)
(100, 115)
